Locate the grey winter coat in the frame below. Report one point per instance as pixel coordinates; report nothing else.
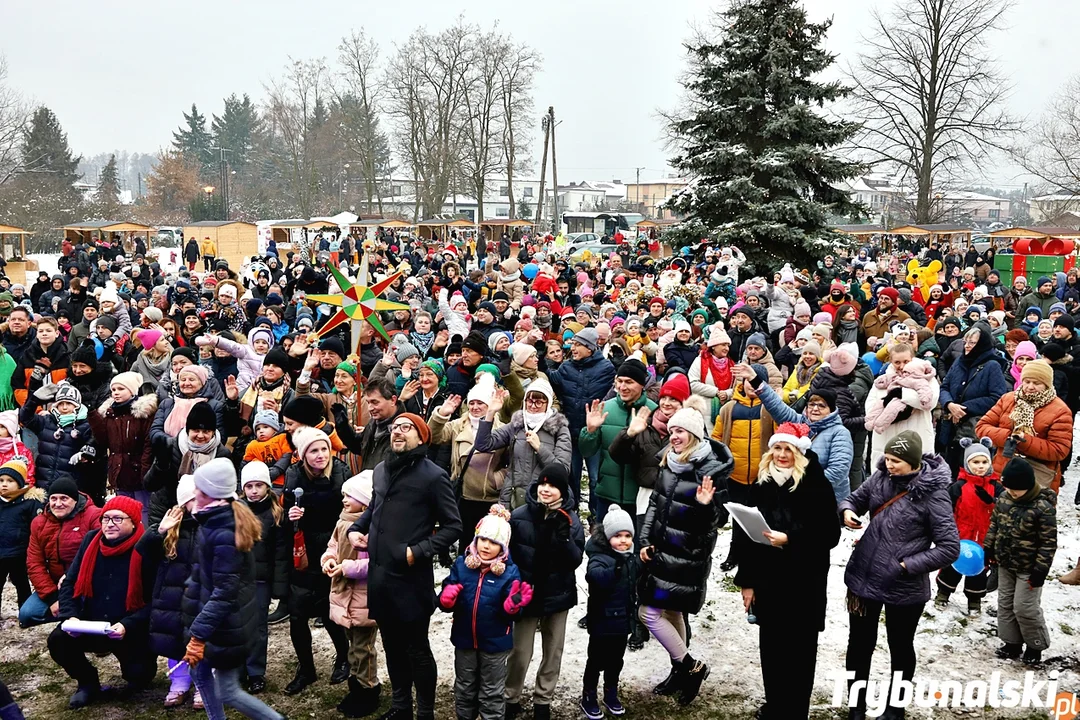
(918, 529)
(525, 463)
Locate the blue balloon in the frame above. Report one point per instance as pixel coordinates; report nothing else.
(972, 559)
(872, 360)
(99, 348)
(530, 270)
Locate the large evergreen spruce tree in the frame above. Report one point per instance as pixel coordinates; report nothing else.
(755, 141)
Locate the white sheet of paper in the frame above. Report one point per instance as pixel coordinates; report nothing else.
(750, 520)
(85, 627)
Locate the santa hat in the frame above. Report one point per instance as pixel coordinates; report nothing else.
(450, 250)
(794, 434)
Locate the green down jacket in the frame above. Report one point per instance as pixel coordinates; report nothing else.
(617, 483)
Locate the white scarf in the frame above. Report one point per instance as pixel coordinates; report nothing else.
(780, 475)
(535, 421)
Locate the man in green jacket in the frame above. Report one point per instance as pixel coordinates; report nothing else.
(616, 483)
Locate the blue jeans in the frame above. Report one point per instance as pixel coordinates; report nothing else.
(219, 688)
(35, 612)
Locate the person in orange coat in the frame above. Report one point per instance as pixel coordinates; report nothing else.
(45, 361)
(269, 445)
(1039, 422)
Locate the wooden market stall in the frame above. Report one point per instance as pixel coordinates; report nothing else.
(92, 232)
(441, 227)
(236, 240)
(936, 232)
(495, 228)
(15, 269)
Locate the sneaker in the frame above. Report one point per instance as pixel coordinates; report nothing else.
(175, 698)
(941, 601)
(611, 701)
(729, 564)
(1032, 656)
(197, 702)
(694, 673)
(256, 685)
(1009, 651)
(280, 614)
(591, 706)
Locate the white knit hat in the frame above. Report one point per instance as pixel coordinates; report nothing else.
(303, 437)
(717, 336)
(682, 325)
(217, 478)
(185, 490)
(359, 487)
(521, 352)
(483, 390)
(255, 471)
(130, 380)
(690, 420)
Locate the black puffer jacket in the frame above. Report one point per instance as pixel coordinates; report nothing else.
(56, 446)
(611, 579)
(219, 601)
(15, 518)
(166, 616)
(322, 506)
(545, 562)
(94, 386)
(852, 412)
(273, 552)
(163, 477)
(683, 532)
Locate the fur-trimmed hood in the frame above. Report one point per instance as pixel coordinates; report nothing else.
(144, 406)
(29, 492)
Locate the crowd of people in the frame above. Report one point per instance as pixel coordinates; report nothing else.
(179, 449)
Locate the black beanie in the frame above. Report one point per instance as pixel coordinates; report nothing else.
(1018, 475)
(64, 484)
(201, 417)
(304, 409)
(476, 342)
(85, 354)
(1066, 321)
(1052, 351)
(829, 396)
(333, 344)
(278, 357)
(635, 370)
(108, 321)
(187, 352)
(556, 475)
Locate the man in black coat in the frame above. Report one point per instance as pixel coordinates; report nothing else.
(98, 587)
(412, 518)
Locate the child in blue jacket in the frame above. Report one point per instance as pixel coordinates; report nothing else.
(612, 576)
(485, 592)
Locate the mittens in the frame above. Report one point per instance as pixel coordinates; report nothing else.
(449, 595)
(521, 594)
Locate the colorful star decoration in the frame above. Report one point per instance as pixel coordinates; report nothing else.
(358, 302)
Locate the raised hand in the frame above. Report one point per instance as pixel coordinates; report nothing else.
(498, 399)
(312, 360)
(595, 416)
(388, 358)
(171, 520)
(231, 390)
(705, 492)
(450, 406)
(411, 388)
(639, 421)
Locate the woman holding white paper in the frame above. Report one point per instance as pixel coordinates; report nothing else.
(783, 581)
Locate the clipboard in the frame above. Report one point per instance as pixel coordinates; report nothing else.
(750, 520)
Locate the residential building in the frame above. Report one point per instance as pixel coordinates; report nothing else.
(879, 193)
(649, 195)
(1049, 208)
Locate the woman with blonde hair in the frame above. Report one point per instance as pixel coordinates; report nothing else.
(783, 580)
(220, 630)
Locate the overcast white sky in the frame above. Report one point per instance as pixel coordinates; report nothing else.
(119, 73)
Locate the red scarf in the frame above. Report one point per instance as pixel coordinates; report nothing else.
(660, 421)
(84, 585)
(719, 369)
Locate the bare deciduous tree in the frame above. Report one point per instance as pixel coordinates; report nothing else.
(14, 114)
(929, 94)
(358, 98)
(482, 116)
(516, 72)
(1051, 150)
(293, 103)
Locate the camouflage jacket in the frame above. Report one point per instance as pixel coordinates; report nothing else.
(1023, 532)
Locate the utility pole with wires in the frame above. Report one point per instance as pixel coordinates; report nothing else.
(223, 180)
(637, 187)
(556, 221)
(543, 169)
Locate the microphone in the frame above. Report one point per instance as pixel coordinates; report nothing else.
(297, 494)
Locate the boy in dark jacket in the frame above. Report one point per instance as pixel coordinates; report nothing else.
(1022, 540)
(973, 496)
(547, 544)
(64, 438)
(19, 505)
(612, 576)
(485, 593)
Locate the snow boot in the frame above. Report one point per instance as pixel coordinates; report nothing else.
(670, 684)
(638, 637)
(590, 706)
(1072, 577)
(974, 607)
(366, 703)
(692, 674)
(513, 710)
(1032, 656)
(541, 712)
(349, 701)
(611, 701)
(1009, 651)
(942, 600)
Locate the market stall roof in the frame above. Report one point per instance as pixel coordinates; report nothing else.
(218, 223)
(662, 222)
(396, 224)
(108, 226)
(446, 222)
(932, 229)
(304, 224)
(12, 230)
(1037, 232)
(857, 229)
(516, 222)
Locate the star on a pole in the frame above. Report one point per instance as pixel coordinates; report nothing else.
(358, 302)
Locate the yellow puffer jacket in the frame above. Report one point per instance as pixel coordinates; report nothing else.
(792, 389)
(741, 425)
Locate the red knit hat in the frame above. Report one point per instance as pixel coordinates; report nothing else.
(891, 293)
(129, 506)
(658, 299)
(422, 428)
(676, 387)
(835, 286)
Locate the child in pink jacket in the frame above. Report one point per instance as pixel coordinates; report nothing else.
(348, 568)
